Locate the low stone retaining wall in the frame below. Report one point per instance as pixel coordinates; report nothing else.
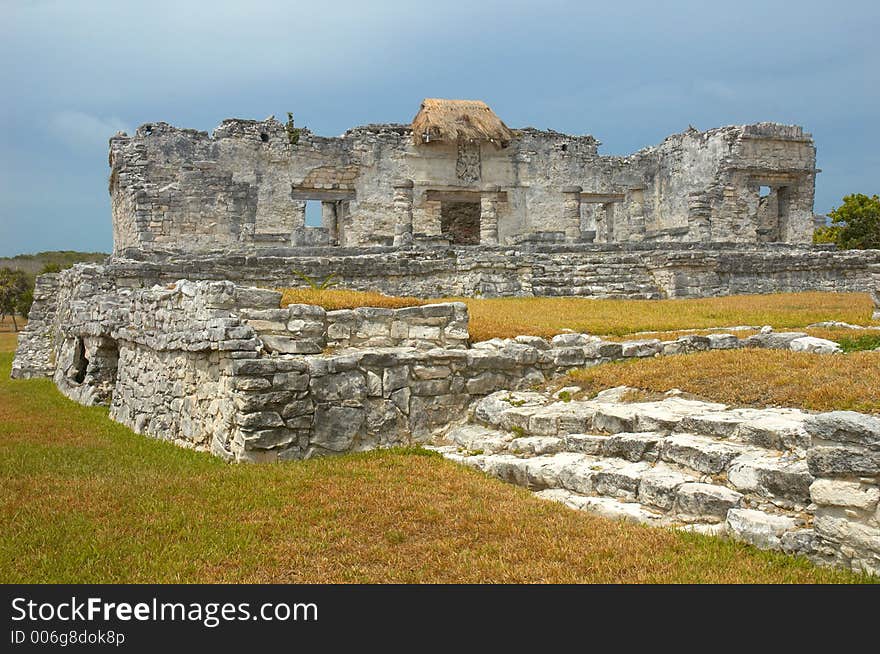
(844, 457)
(582, 270)
(309, 329)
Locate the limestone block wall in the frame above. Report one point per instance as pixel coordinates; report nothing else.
(844, 457)
(175, 351)
(633, 271)
(244, 186)
(35, 354)
(309, 329)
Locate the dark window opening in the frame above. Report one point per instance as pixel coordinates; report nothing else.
(460, 222)
(80, 362)
(564, 147)
(148, 129)
(264, 137)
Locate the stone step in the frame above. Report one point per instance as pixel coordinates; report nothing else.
(758, 528)
(780, 478)
(679, 494)
(537, 414)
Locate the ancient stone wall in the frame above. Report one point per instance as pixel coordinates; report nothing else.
(844, 458)
(245, 187)
(632, 271)
(35, 354)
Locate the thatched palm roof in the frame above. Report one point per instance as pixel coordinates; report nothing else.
(453, 121)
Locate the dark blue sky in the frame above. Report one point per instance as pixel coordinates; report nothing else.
(630, 73)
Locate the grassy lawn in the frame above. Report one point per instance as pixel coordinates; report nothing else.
(83, 499)
(508, 317)
(752, 377)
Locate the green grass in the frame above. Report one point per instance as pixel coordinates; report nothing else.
(820, 382)
(84, 499)
(860, 343)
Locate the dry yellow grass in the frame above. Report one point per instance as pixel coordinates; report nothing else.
(752, 377)
(508, 317)
(340, 298)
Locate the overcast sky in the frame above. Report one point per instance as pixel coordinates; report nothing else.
(630, 73)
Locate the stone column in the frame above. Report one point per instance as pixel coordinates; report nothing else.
(330, 219)
(571, 212)
(403, 213)
(636, 214)
(489, 217)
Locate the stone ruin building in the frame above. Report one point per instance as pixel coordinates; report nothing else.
(182, 334)
(456, 176)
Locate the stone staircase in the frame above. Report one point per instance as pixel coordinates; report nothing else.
(673, 462)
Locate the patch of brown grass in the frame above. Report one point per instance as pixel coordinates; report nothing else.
(509, 317)
(337, 298)
(752, 377)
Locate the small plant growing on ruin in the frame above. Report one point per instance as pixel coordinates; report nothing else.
(292, 132)
(517, 431)
(565, 396)
(328, 282)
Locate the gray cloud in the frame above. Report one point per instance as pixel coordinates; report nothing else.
(630, 73)
(82, 131)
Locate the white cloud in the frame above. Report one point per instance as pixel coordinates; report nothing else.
(82, 131)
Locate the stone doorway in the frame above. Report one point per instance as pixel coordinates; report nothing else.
(460, 222)
(773, 214)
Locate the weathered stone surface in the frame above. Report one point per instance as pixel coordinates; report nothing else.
(335, 427)
(699, 453)
(852, 494)
(621, 482)
(705, 500)
(642, 348)
(773, 340)
(536, 445)
(723, 341)
(763, 530)
(288, 345)
(845, 426)
(633, 447)
(771, 476)
(843, 460)
(659, 486)
(259, 419)
(815, 345)
(350, 386)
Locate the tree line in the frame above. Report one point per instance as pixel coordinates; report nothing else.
(17, 291)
